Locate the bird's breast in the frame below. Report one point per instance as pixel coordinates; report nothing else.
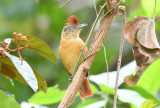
(70, 50)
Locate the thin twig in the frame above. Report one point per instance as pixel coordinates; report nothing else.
(8, 45)
(93, 26)
(105, 56)
(154, 10)
(3, 44)
(20, 48)
(64, 4)
(122, 8)
(89, 56)
(94, 3)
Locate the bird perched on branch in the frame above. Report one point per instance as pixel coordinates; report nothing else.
(70, 49)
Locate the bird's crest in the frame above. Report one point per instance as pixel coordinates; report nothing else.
(73, 20)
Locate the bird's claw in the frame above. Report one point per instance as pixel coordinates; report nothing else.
(70, 79)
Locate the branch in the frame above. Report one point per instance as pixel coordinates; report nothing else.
(87, 40)
(108, 4)
(121, 8)
(85, 66)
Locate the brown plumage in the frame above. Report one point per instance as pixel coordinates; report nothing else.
(70, 49)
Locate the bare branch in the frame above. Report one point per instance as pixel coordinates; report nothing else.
(121, 8)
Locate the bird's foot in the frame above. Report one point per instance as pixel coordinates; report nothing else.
(70, 79)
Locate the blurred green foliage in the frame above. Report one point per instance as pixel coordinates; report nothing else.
(44, 19)
(10, 100)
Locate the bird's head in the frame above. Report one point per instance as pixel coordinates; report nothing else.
(72, 28)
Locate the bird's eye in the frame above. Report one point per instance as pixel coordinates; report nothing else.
(69, 29)
(65, 29)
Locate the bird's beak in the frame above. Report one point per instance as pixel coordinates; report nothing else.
(81, 26)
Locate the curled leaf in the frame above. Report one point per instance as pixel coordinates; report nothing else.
(138, 56)
(141, 30)
(144, 57)
(146, 35)
(131, 28)
(133, 79)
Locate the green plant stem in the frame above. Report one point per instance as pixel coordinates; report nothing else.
(81, 54)
(89, 56)
(154, 10)
(64, 4)
(105, 56)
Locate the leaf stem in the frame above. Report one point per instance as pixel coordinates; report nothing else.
(105, 56)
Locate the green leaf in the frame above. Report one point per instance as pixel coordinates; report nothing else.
(124, 72)
(130, 96)
(8, 101)
(104, 88)
(91, 103)
(149, 5)
(52, 96)
(143, 92)
(150, 78)
(40, 47)
(31, 105)
(8, 69)
(25, 70)
(148, 104)
(94, 88)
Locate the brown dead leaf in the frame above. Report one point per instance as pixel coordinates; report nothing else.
(146, 35)
(141, 29)
(131, 28)
(138, 56)
(140, 32)
(133, 79)
(144, 57)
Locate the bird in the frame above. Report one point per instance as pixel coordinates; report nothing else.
(70, 48)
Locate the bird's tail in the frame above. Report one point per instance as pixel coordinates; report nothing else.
(85, 89)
